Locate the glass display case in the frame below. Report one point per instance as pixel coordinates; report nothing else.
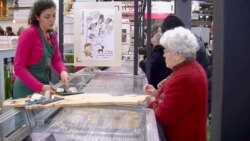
(14, 125)
(115, 83)
(99, 123)
(106, 123)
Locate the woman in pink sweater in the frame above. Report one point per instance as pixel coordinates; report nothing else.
(180, 103)
(37, 51)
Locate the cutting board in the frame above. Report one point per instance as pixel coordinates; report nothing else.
(19, 103)
(85, 99)
(15, 103)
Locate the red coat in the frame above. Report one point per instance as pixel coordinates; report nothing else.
(181, 103)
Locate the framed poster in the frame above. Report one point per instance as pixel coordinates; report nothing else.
(97, 34)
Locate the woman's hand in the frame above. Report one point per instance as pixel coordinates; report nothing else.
(149, 90)
(48, 88)
(64, 77)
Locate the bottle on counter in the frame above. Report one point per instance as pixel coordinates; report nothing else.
(8, 73)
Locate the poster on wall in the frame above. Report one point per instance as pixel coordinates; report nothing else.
(97, 34)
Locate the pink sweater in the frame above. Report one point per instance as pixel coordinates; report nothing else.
(29, 52)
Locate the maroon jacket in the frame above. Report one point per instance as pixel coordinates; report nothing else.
(181, 103)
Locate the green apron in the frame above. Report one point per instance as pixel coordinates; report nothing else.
(41, 71)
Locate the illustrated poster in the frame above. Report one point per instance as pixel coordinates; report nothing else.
(99, 40)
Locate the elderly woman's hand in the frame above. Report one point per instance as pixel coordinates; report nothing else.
(149, 90)
(64, 77)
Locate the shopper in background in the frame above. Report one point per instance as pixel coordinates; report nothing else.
(202, 57)
(159, 71)
(142, 50)
(2, 33)
(9, 31)
(37, 51)
(180, 103)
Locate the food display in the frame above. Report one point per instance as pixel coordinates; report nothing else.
(67, 90)
(59, 90)
(72, 90)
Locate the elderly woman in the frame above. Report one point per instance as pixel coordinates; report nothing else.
(180, 103)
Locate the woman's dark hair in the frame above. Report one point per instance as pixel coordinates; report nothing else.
(38, 7)
(2, 31)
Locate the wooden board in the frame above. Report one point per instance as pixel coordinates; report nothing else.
(101, 99)
(15, 103)
(18, 103)
(84, 100)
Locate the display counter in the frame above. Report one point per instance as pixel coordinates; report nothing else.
(106, 123)
(99, 123)
(14, 124)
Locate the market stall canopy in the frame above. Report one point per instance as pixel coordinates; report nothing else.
(157, 16)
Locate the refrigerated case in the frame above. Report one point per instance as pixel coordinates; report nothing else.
(99, 123)
(106, 123)
(14, 125)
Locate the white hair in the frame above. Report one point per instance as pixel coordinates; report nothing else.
(180, 40)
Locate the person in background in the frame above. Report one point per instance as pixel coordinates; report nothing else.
(180, 103)
(159, 71)
(20, 30)
(209, 51)
(37, 51)
(142, 50)
(2, 33)
(9, 31)
(172, 21)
